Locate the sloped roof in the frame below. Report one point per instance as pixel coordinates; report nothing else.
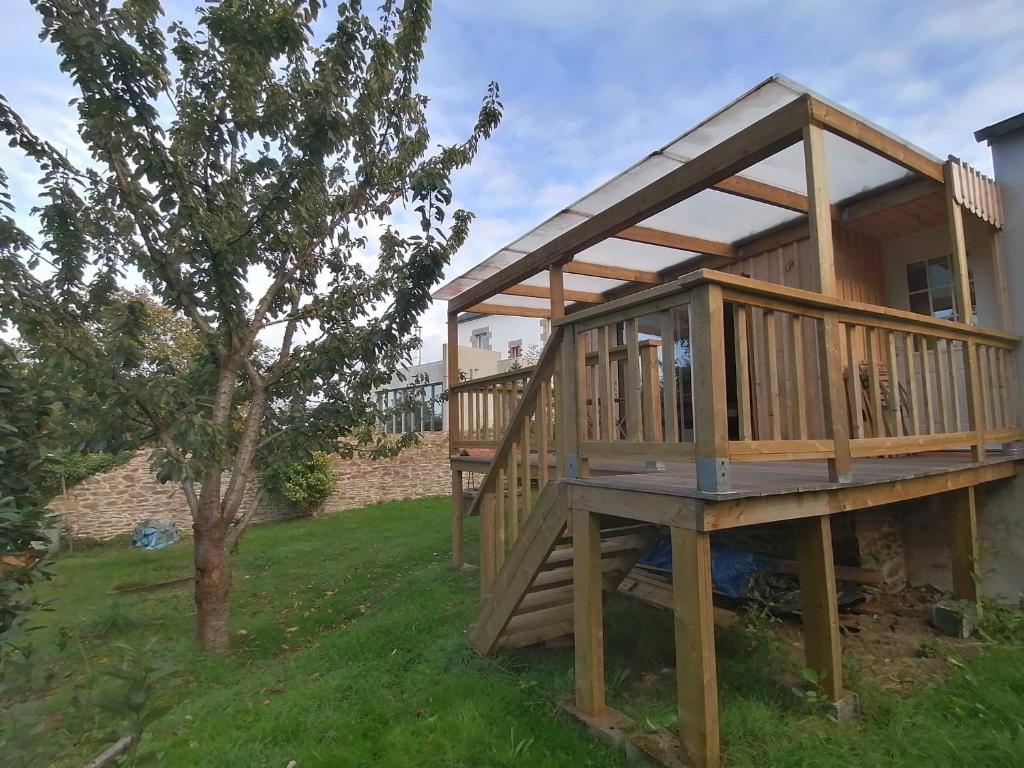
(721, 215)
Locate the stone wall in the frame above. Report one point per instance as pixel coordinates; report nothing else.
(111, 503)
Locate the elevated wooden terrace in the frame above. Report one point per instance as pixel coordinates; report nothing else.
(693, 398)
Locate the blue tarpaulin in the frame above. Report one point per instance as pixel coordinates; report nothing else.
(155, 534)
(730, 566)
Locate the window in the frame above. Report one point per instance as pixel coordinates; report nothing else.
(515, 349)
(930, 288)
(480, 338)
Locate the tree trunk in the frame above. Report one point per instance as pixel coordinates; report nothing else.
(213, 579)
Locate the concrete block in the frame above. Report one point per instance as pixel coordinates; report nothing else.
(956, 618)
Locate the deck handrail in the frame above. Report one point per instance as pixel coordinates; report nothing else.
(515, 431)
(494, 378)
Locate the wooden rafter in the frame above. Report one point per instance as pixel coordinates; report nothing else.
(540, 292)
(664, 239)
(611, 273)
(506, 309)
(865, 135)
(762, 139)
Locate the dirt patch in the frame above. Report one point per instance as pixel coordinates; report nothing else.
(892, 643)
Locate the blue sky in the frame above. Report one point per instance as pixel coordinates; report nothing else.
(590, 86)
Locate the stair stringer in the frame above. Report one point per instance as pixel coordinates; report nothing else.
(537, 538)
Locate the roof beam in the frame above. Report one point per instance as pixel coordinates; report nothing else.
(850, 128)
(612, 273)
(890, 198)
(505, 309)
(679, 242)
(770, 134)
(540, 292)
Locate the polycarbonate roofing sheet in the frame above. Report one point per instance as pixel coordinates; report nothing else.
(710, 214)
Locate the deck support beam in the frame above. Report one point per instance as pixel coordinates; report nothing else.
(588, 613)
(964, 537)
(696, 668)
(818, 604)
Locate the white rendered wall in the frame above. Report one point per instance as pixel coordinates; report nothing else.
(531, 331)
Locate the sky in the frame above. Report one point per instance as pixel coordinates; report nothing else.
(591, 86)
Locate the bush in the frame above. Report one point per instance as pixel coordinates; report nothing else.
(67, 468)
(309, 483)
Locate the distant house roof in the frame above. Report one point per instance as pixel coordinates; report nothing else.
(1001, 128)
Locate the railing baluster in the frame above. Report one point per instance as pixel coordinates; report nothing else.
(501, 521)
(954, 381)
(604, 380)
(543, 427)
(988, 387)
(524, 471)
(926, 389)
(741, 320)
(874, 382)
(633, 422)
(912, 385)
(771, 350)
(799, 404)
(892, 362)
(651, 389)
(853, 382)
(513, 493)
(943, 376)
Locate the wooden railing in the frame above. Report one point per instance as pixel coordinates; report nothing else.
(524, 411)
(485, 407)
(717, 368)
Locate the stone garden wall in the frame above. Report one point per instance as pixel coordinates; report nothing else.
(111, 503)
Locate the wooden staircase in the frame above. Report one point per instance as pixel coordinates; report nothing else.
(531, 598)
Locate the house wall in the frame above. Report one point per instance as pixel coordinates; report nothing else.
(532, 331)
(858, 278)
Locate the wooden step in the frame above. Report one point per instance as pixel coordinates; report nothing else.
(563, 575)
(609, 548)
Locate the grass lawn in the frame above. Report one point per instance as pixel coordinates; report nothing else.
(349, 651)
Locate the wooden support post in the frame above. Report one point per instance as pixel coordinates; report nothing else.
(567, 440)
(557, 291)
(588, 612)
(488, 540)
(818, 603)
(964, 536)
(458, 520)
(823, 280)
(453, 379)
(458, 503)
(711, 424)
(696, 669)
(962, 294)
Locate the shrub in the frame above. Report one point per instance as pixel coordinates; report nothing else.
(309, 483)
(67, 468)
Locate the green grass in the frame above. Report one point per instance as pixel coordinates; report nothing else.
(349, 651)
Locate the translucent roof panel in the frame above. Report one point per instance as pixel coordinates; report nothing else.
(715, 215)
(711, 215)
(626, 253)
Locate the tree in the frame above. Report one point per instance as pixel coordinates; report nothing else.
(250, 176)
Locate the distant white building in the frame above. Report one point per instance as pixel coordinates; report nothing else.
(488, 344)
